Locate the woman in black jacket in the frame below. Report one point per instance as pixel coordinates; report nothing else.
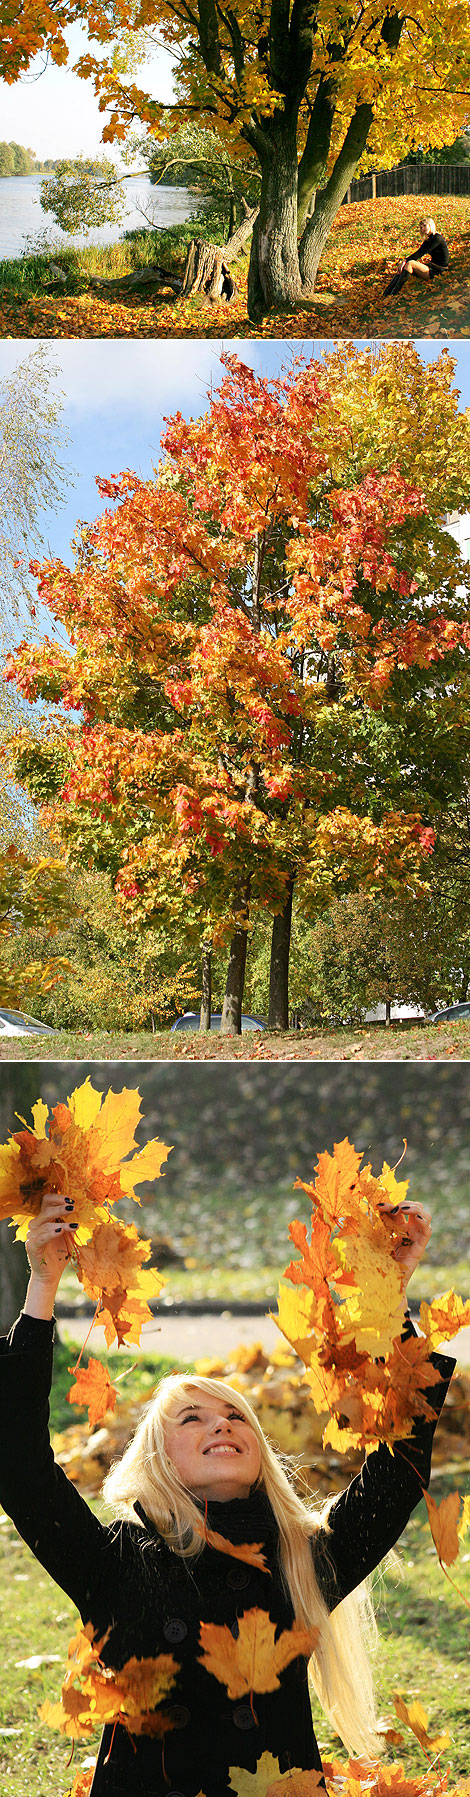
(199, 1472)
(429, 260)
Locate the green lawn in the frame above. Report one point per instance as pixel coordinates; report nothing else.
(258, 1284)
(401, 1042)
(423, 1652)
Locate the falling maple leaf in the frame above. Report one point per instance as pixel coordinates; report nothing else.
(443, 1524)
(93, 1387)
(252, 1661)
(93, 1693)
(415, 1718)
(249, 1551)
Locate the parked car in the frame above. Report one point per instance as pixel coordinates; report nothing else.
(17, 1023)
(451, 1011)
(190, 1021)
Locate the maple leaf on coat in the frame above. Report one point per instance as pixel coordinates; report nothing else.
(268, 1781)
(253, 1661)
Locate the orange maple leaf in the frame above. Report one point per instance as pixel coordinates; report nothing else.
(92, 1387)
(252, 1661)
(93, 1693)
(250, 1551)
(443, 1525)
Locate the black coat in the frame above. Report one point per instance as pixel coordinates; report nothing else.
(123, 1576)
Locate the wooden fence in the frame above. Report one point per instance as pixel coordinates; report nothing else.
(414, 177)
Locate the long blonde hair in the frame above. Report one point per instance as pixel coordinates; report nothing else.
(339, 1669)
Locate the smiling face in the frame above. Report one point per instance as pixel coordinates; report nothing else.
(213, 1448)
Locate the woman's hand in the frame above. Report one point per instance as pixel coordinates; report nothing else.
(411, 1229)
(50, 1241)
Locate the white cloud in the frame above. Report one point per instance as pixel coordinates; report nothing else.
(146, 377)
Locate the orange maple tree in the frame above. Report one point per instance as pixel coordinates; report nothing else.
(244, 629)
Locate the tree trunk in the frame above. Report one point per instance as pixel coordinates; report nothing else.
(233, 997)
(388, 1012)
(328, 201)
(330, 198)
(274, 275)
(206, 1000)
(278, 1016)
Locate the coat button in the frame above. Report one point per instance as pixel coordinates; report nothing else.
(243, 1717)
(238, 1577)
(174, 1630)
(179, 1716)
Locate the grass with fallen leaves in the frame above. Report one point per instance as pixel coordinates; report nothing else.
(367, 242)
(401, 1042)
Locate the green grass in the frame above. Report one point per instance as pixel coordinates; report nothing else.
(401, 1042)
(423, 1652)
(258, 1284)
(28, 276)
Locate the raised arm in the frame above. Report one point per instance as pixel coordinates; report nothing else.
(73, 1546)
(368, 1518)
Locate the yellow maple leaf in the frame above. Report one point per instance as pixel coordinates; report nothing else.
(252, 1661)
(442, 1319)
(267, 1781)
(415, 1718)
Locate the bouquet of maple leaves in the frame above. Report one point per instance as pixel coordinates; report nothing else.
(344, 1320)
(82, 1150)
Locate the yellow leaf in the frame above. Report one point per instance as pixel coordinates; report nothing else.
(252, 1661)
(40, 1113)
(147, 1164)
(84, 1104)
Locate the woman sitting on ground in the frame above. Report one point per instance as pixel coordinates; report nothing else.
(426, 262)
(200, 1473)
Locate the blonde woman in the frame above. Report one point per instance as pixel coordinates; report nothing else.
(199, 1461)
(426, 262)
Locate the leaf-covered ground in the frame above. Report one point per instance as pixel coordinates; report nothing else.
(367, 242)
(402, 1042)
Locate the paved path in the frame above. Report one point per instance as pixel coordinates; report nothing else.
(189, 1338)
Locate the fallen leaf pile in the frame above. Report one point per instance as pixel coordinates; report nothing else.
(367, 242)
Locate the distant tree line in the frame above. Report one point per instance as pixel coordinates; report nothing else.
(15, 159)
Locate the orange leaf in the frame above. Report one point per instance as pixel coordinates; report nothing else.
(252, 1661)
(443, 1525)
(93, 1387)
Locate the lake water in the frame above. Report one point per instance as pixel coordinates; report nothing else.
(21, 214)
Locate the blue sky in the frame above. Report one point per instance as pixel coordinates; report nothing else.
(117, 393)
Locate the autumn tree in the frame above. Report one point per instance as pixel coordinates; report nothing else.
(268, 651)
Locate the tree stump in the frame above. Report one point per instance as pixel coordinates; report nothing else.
(206, 272)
